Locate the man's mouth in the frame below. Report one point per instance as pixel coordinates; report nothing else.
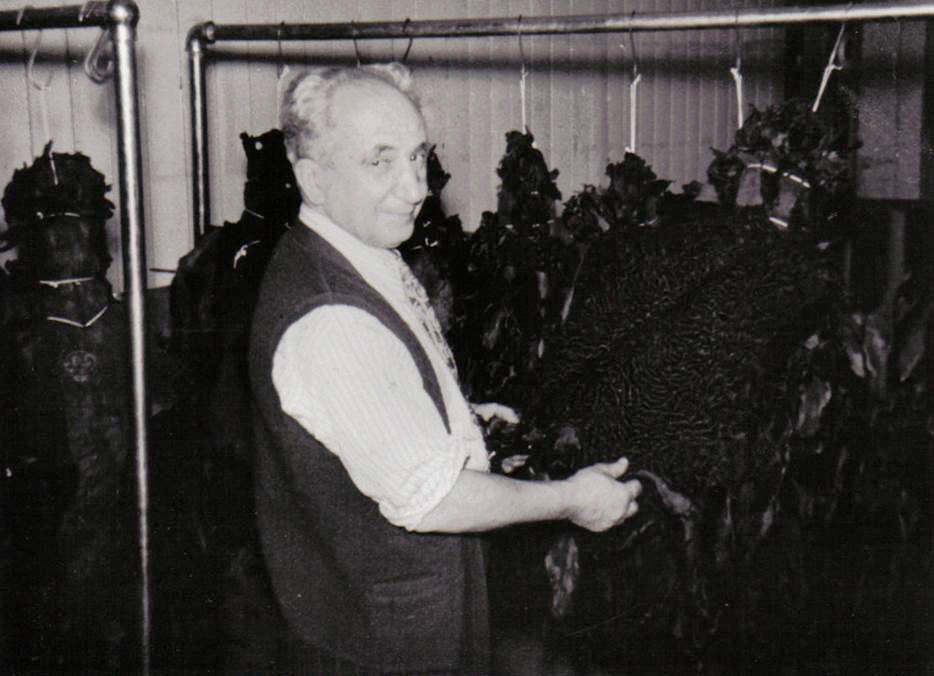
(399, 215)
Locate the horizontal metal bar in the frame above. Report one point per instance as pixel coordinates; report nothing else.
(71, 16)
(593, 23)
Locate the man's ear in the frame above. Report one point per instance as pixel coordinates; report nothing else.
(309, 175)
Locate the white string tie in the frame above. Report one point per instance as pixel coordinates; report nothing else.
(71, 322)
(55, 283)
(633, 112)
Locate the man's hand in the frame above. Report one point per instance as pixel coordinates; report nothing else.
(491, 410)
(597, 500)
(479, 501)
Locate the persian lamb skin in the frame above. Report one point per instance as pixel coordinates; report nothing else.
(673, 337)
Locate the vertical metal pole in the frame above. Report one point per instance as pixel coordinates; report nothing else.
(124, 15)
(895, 257)
(199, 130)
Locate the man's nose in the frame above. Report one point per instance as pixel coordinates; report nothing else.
(413, 184)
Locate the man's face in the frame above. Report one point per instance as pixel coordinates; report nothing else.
(372, 180)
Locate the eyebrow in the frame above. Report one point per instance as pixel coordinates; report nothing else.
(383, 148)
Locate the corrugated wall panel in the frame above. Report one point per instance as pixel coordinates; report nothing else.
(577, 97)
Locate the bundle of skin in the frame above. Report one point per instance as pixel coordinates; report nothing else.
(782, 438)
(794, 162)
(214, 290)
(783, 441)
(63, 444)
(517, 268)
(210, 580)
(681, 317)
(672, 331)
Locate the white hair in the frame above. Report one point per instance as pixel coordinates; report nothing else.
(305, 116)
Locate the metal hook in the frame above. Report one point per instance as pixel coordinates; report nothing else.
(30, 64)
(99, 62)
(523, 74)
(405, 25)
(279, 66)
(633, 93)
(838, 46)
(41, 86)
(736, 72)
(830, 68)
(632, 45)
(356, 49)
(737, 42)
(48, 153)
(519, 37)
(85, 9)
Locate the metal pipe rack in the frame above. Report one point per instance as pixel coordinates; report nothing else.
(207, 33)
(120, 17)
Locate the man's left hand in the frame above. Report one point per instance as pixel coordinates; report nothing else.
(491, 410)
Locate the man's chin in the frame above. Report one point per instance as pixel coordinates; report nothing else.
(398, 230)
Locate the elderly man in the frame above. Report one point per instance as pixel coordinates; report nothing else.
(372, 473)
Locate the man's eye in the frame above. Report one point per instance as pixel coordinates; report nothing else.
(380, 162)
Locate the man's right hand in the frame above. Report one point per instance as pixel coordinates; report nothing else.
(593, 498)
(597, 501)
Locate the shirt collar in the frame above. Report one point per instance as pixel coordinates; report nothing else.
(378, 266)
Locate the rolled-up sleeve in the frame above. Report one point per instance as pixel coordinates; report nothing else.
(352, 384)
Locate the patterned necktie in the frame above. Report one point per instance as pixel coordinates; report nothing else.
(418, 299)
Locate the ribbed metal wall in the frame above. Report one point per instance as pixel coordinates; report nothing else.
(577, 93)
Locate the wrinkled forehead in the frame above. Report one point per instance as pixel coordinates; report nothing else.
(363, 109)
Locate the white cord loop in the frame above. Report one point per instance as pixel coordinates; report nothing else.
(523, 76)
(633, 95)
(736, 72)
(55, 283)
(79, 325)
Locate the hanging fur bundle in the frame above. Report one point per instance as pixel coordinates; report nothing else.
(56, 183)
(794, 162)
(57, 186)
(64, 440)
(214, 290)
(207, 566)
(517, 270)
(785, 466)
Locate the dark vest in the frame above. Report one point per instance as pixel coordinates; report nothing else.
(347, 580)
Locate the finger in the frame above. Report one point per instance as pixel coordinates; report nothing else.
(484, 411)
(615, 469)
(489, 410)
(633, 508)
(506, 414)
(635, 488)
